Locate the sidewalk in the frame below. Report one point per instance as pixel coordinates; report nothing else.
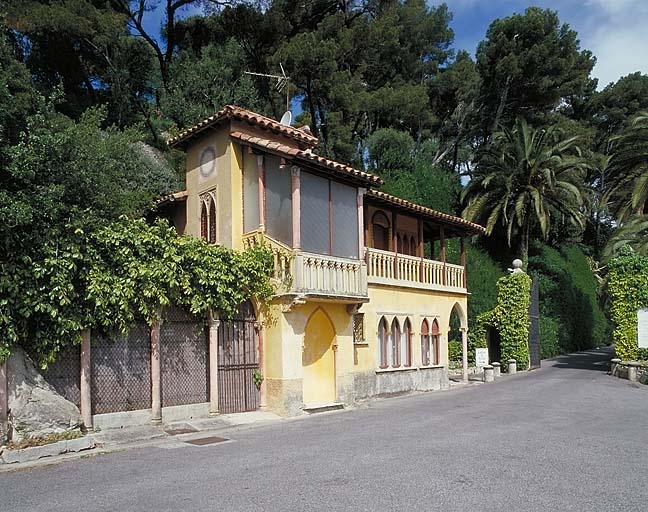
(112, 440)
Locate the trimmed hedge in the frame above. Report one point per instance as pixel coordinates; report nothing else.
(627, 287)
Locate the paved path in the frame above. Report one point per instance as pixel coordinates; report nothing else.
(566, 437)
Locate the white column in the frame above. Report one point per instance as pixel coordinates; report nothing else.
(464, 354)
(296, 207)
(361, 229)
(156, 375)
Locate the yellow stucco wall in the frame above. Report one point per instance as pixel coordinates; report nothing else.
(225, 182)
(402, 303)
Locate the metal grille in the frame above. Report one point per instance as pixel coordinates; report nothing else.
(121, 372)
(184, 359)
(237, 362)
(358, 328)
(534, 327)
(64, 375)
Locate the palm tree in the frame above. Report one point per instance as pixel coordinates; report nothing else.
(633, 232)
(626, 191)
(525, 176)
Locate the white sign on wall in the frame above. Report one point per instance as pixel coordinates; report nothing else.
(642, 328)
(481, 357)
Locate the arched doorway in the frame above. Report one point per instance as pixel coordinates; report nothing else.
(318, 361)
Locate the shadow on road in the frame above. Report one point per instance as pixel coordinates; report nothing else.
(597, 360)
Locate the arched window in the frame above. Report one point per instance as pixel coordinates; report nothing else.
(406, 245)
(395, 344)
(382, 340)
(380, 231)
(434, 341)
(425, 343)
(204, 221)
(212, 220)
(407, 340)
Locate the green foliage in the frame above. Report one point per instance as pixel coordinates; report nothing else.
(120, 274)
(527, 176)
(510, 318)
(529, 64)
(199, 87)
(569, 300)
(627, 287)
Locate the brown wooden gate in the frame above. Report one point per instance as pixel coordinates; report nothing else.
(238, 360)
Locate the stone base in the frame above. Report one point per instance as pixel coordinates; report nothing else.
(48, 450)
(398, 382)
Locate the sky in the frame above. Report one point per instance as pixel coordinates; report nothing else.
(614, 30)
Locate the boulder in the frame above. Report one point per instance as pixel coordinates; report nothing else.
(35, 408)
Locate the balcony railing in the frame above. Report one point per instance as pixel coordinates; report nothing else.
(326, 275)
(385, 267)
(301, 273)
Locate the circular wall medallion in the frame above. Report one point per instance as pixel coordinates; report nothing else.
(207, 161)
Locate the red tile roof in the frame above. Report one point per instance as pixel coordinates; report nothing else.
(468, 226)
(306, 156)
(241, 114)
(171, 198)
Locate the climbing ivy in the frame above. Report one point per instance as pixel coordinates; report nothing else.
(124, 272)
(510, 317)
(627, 288)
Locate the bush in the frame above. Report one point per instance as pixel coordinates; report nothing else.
(569, 301)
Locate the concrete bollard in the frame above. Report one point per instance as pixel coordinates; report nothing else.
(614, 366)
(512, 366)
(632, 371)
(489, 374)
(497, 370)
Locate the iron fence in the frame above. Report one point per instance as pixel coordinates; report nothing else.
(64, 375)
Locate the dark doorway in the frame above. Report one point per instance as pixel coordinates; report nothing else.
(238, 361)
(494, 347)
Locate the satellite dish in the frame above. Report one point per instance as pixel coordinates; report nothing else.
(286, 119)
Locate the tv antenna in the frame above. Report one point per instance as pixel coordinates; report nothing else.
(282, 84)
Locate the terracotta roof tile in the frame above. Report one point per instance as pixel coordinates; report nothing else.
(234, 112)
(443, 217)
(171, 198)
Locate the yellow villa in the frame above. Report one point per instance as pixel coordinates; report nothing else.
(359, 311)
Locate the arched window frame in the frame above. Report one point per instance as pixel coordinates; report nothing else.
(407, 343)
(213, 222)
(434, 341)
(380, 220)
(425, 343)
(208, 217)
(383, 336)
(395, 345)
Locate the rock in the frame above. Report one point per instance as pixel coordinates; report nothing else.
(35, 408)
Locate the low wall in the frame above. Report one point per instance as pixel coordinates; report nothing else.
(393, 382)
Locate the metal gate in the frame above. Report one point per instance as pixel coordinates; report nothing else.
(238, 361)
(184, 358)
(534, 327)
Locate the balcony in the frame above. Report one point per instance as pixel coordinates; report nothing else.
(388, 268)
(305, 274)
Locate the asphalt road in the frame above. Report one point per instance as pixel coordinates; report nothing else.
(566, 437)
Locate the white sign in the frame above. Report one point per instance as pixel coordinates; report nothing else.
(481, 357)
(642, 328)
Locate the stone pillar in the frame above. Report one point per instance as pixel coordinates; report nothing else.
(512, 366)
(614, 366)
(84, 386)
(214, 324)
(464, 354)
(444, 278)
(4, 403)
(632, 371)
(156, 375)
(395, 242)
(489, 373)
(463, 263)
(497, 370)
(361, 227)
(263, 389)
(296, 207)
(261, 168)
